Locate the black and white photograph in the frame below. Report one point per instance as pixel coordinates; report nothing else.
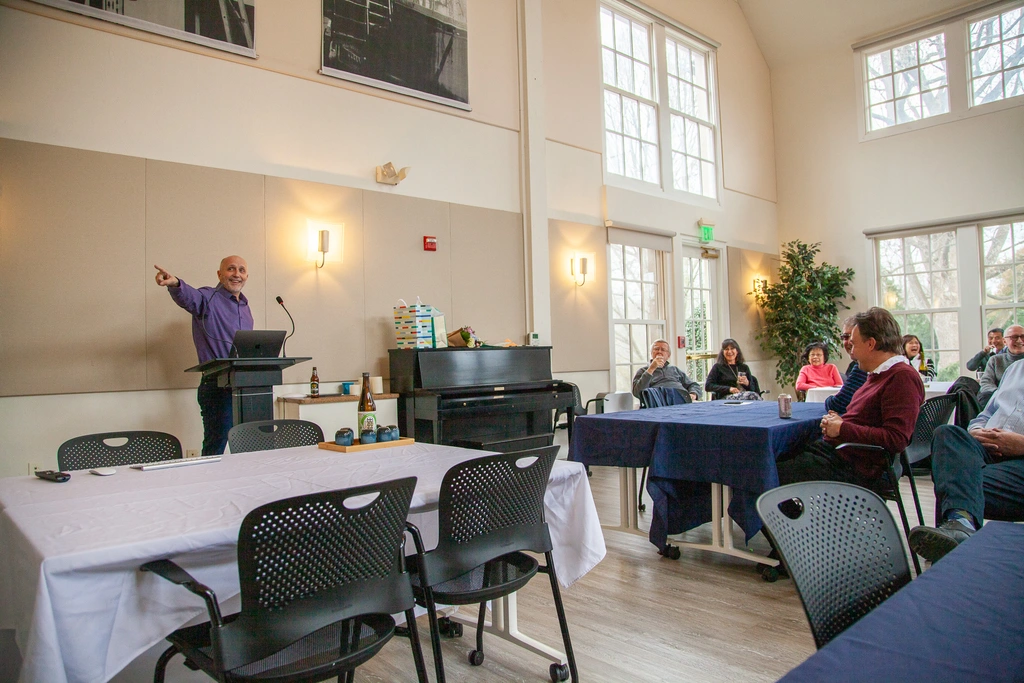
(222, 24)
(414, 47)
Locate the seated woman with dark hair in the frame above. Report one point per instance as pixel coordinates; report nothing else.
(913, 350)
(730, 376)
(817, 371)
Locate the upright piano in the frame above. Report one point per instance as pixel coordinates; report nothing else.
(497, 399)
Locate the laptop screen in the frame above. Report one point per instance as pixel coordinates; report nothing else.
(257, 343)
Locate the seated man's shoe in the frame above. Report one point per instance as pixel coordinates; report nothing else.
(933, 543)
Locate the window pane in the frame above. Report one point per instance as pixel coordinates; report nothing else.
(622, 343)
(612, 111)
(1013, 53)
(608, 66)
(947, 365)
(700, 68)
(693, 174)
(908, 109)
(674, 101)
(904, 56)
(931, 49)
(998, 284)
(700, 104)
(893, 296)
(880, 90)
(918, 324)
(907, 83)
(607, 28)
(998, 317)
(947, 331)
(935, 102)
(650, 301)
(642, 79)
(648, 123)
(638, 343)
(632, 261)
(631, 148)
(622, 35)
(624, 72)
(678, 125)
(988, 89)
(615, 251)
(614, 152)
(945, 289)
(1013, 22)
(879, 65)
(891, 256)
(1014, 82)
(654, 332)
(986, 60)
(917, 253)
(692, 138)
(883, 116)
(919, 293)
(943, 250)
(707, 143)
(623, 378)
(633, 295)
(678, 171)
(933, 76)
(641, 48)
(984, 32)
(1020, 283)
(709, 184)
(670, 59)
(996, 246)
(630, 117)
(618, 299)
(650, 163)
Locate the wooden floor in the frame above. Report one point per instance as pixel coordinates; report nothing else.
(634, 617)
(640, 617)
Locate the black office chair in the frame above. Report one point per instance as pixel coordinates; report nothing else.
(840, 544)
(92, 450)
(319, 582)
(934, 412)
(891, 487)
(578, 407)
(268, 435)
(490, 510)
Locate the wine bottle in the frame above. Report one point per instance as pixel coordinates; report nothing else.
(314, 384)
(367, 412)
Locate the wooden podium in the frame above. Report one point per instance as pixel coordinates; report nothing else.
(251, 381)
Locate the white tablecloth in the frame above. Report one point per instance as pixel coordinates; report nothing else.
(69, 553)
(931, 389)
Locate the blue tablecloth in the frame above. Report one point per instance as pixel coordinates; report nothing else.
(962, 620)
(689, 446)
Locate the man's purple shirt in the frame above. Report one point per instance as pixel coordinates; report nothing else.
(224, 315)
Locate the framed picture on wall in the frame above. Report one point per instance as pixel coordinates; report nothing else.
(227, 25)
(413, 47)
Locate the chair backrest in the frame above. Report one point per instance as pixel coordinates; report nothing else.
(93, 450)
(659, 397)
(618, 401)
(310, 561)
(268, 435)
(934, 412)
(841, 545)
(489, 507)
(965, 383)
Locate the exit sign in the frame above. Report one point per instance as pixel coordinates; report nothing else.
(707, 233)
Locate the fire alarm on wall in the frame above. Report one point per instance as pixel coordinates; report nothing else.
(429, 243)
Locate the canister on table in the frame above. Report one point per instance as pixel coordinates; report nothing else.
(785, 405)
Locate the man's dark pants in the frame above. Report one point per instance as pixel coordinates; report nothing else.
(215, 406)
(967, 477)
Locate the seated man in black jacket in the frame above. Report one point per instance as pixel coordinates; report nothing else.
(996, 344)
(661, 373)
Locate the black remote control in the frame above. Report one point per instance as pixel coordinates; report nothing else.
(53, 475)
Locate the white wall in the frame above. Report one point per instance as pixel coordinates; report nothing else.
(832, 186)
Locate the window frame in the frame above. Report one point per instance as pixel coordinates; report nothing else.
(660, 29)
(664, 305)
(958, 75)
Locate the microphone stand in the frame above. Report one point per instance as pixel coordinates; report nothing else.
(284, 346)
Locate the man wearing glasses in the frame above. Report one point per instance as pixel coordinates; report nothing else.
(978, 472)
(998, 364)
(855, 377)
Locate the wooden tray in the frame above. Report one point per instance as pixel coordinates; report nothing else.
(356, 446)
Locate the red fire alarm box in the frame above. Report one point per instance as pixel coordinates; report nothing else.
(681, 342)
(429, 243)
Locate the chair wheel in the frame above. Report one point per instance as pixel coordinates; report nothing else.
(449, 628)
(768, 573)
(558, 672)
(476, 657)
(670, 551)
(642, 507)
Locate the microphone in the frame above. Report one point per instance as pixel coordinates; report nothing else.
(284, 347)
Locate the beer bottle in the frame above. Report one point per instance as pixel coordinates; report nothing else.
(367, 413)
(314, 384)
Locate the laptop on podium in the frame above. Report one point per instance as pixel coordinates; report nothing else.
(257, 343)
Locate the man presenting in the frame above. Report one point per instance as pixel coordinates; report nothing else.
(995, 345)
(998, 364)
(882, 412)
(660, 373)
(217, 313)
(979, 472)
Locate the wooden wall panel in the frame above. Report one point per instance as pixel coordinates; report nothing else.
(397, 267)
(579, 315)
(195, 216)
(488, 273)
(72, 314)
(327, 303)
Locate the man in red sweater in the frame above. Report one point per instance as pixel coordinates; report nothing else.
(883, 412)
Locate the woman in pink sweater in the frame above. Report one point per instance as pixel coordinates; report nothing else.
(817, 371)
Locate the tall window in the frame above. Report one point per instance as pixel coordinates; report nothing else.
(907, 82)
(697, 312)
(655, 117)
(1002, 253)
(918, 283)
(997, 56)
(638, 308)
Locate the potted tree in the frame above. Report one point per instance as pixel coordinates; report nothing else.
(803, 306)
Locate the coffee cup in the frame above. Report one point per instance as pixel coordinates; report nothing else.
(367, 436)
(393, 429)
(383, 434)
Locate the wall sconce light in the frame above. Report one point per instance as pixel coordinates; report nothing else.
(579, 265)
(890, 299)
(759, 285)
(325, 242)
(388, 175)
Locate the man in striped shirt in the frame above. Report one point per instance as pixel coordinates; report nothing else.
(978, 472)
